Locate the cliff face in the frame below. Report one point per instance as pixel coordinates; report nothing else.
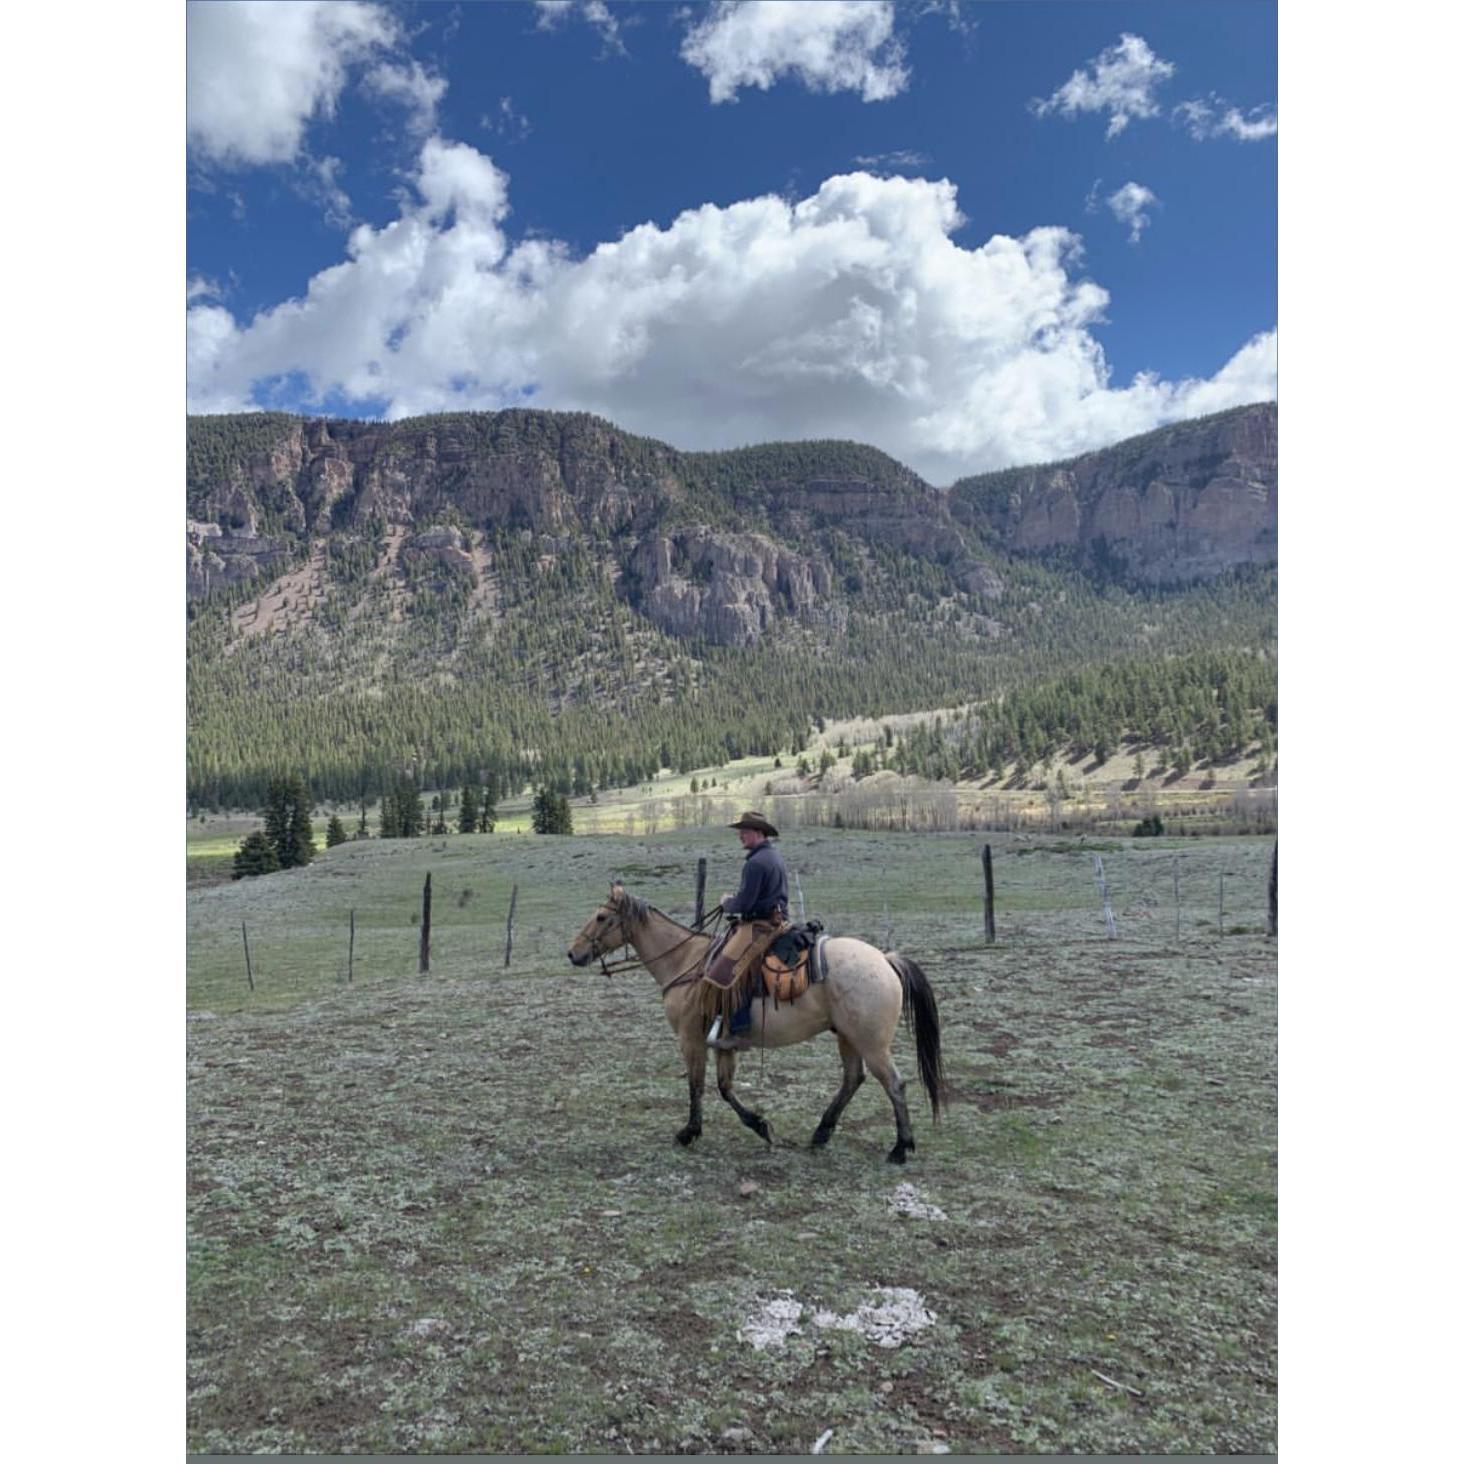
(720, 546)
(727, 588)
(1184, 503)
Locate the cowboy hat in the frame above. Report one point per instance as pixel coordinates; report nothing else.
(755, 821)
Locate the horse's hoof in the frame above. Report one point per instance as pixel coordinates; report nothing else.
(765, 1132)
(687, 1136)
(819, 1139)
(897, 1154)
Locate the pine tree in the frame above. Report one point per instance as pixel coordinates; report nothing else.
(551, 813)
(409, 810)
(335, 832)
(277, 818)
(487, 815)
(287, 824)
(391, 815)
(256, 856)
(468, 809)
(299, 831)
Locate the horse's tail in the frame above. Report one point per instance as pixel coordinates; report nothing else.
(923, 1019)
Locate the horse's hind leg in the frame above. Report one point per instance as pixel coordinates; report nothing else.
(883, 1067)
(853, 1077)
(726, 1066)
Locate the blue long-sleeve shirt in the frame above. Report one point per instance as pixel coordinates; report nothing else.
(764, 888)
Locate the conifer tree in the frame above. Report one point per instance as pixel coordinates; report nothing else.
(409, 810)
(300, 834)
(391, 815)
(468, 809)
(551, 813)
(335, 832)
(256, 856)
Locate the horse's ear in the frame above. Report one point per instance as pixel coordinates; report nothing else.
(616, 891)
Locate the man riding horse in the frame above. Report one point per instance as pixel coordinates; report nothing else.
(759, 910)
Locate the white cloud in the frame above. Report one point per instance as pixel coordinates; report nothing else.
(553, 13)
(851, 313)
(507, 122)
(897, 161)
(1121, 82)
(1214, 118)
(1130, 205)
(317, 182)
(415, 88)
(259, 72)
(829, 45)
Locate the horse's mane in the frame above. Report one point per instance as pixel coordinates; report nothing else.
(634, 909)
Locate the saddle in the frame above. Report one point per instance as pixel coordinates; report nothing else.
(792, 961)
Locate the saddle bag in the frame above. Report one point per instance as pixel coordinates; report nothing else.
(787, 967)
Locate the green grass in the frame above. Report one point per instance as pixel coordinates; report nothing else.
(445, 1213)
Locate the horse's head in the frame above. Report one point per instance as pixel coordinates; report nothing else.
(607, 929)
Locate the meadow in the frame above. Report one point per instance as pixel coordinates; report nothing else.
(445, 1212)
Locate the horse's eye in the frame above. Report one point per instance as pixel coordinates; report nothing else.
(599, 919)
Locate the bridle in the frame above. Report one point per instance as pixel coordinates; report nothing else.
(631, 963)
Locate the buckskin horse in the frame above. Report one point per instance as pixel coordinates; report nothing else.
(861, 1000)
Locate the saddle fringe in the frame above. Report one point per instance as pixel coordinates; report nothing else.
(717, 1001)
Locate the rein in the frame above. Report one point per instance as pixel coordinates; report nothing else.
(631, 963)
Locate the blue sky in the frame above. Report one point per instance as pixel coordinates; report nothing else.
(971, 234)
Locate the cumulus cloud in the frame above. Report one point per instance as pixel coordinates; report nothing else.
(849, 313)
(1121, 81)
(1216, 118)
(828, 45)
(259, 72)
(1130, 205)
(200, 287)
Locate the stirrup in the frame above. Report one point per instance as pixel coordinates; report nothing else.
(716, 1028)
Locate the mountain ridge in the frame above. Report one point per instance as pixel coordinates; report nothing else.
(533, 590)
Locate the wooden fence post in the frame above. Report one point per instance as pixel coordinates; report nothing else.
(512, 905)
(1271, 890)
(1176, 897)
(798, 885)
(423, 954)
(351, 951)
(990, 894)
(1103, 891)
(248, 966)
(701, 890)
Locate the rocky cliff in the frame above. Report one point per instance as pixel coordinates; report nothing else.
(1184, 503)
(716, 546)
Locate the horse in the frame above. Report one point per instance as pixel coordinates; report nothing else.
(861, 1001)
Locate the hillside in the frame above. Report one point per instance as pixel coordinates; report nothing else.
(523, 594)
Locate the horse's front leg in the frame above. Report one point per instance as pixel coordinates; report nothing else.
(694, 1050)
(726, 1066)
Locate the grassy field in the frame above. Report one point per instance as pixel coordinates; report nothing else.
(1105, 794)
(445, 1213)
